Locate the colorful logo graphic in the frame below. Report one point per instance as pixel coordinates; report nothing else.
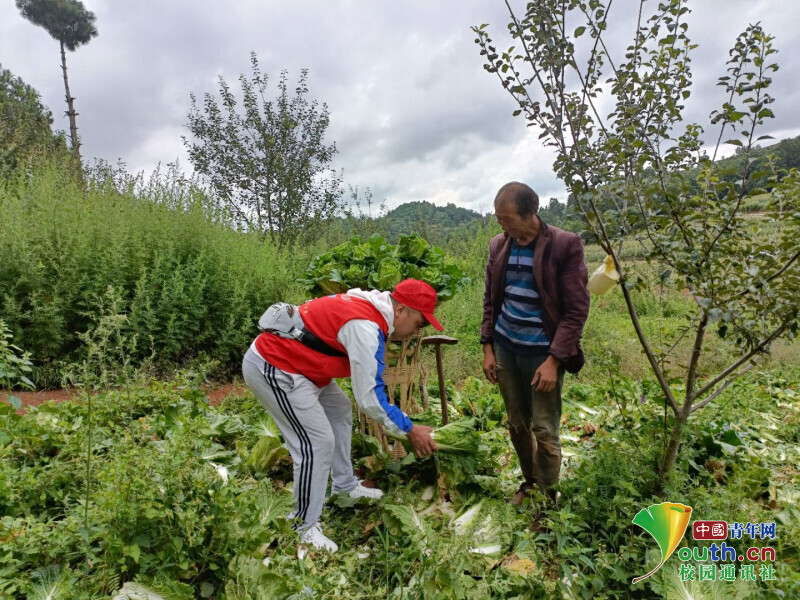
(710, 530)
(667, 523)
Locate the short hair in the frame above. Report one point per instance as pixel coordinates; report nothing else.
(523, 197)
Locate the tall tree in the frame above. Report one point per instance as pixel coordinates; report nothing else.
(267, 161)
(25, 134)
(72, 25)
(626, 173)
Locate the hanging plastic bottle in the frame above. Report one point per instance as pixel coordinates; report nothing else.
(604, 278)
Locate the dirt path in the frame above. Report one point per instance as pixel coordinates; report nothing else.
(216, 393)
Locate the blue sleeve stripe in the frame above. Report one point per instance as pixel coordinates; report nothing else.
(397, 416)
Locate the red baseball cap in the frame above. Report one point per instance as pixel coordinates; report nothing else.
(418, 295)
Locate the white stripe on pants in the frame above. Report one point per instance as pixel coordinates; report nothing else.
(317, 425)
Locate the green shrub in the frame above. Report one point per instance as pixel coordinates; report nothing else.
(185, 280)
(15, 365)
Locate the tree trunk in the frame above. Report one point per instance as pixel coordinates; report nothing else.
(73, 127)
(675, 435)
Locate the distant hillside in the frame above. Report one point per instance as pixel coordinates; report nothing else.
(438, 224)
(787, 156)
(430, 221)
(435, 223)
(786, 152)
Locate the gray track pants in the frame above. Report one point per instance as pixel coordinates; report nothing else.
(317, 425)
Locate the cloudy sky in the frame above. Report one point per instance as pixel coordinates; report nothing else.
(413, 114)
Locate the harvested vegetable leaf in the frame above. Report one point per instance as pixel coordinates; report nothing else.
(458, 437)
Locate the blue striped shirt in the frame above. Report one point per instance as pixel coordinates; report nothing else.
(519, 326)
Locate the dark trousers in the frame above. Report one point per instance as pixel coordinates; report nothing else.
(533, 417)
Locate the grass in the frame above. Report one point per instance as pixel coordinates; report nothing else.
(757, 203)
(609, 339)
(190, 289)
(160, 511)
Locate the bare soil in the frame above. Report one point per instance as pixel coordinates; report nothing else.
(216, 393)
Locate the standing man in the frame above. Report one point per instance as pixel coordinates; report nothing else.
(534, 308)
(343, 335)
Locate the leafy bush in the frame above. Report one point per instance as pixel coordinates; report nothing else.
(26, 135)
(186, 282)
(15, 365)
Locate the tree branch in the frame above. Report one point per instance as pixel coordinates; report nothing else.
(651, 358)
(721, 389)
(756, 350)
(691, 376)
(586, 98)
(772, 277)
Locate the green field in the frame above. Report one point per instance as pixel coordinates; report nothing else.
(139, 299)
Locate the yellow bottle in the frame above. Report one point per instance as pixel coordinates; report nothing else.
(604, 278)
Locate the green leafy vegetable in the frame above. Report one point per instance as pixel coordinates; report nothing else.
(388, 275)
(482, 522)
(458, 437)
(376, 264)
(412, 247)
(267, 452)
(402, 520)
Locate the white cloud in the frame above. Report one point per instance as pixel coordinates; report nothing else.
(413, 113)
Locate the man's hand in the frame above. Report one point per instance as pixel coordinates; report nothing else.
(421, 440)
(489, 363)
(546, 376)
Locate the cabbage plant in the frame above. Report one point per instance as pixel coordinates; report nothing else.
(375, 264)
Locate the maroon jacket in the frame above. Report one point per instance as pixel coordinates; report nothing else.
(561, 275)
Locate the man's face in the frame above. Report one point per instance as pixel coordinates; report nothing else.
(514, 225)
(407, 322)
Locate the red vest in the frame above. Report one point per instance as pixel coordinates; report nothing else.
(323, 317)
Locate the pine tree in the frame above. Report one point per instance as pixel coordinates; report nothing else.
(72, 25)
